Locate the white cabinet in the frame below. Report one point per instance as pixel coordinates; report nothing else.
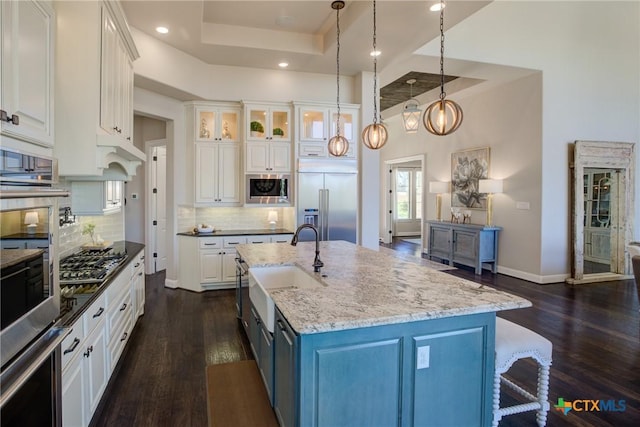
(214, 122)
(137, 286)
(96, 342)
(96, 197)
(27, 93)
(94, 81)
(217, 173)
(316, 124)
(116, 81)
(212, 136)
(84, 366)
(209, 262)
(268, 157)
(267, 121)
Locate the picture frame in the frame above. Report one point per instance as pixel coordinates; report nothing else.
(468, 167)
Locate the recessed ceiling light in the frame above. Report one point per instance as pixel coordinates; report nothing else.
(162, 30)
(375, 53)
(283, 64)
(436, 7)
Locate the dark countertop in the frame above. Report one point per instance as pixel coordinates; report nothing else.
(256, 232)
(10, 257)
(25, 236)
(85, 300)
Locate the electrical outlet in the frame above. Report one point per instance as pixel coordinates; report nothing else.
(523, 205)
(134, 195)
(423, 357)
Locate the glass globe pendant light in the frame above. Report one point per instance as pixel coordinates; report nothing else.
(443, 116)
(411, 113)
(338, 144)
(374, 136)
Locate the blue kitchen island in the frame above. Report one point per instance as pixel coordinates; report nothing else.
(383, 339)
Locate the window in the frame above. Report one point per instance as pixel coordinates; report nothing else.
(408, 192)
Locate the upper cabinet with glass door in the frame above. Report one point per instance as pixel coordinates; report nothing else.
(317, 123)
(216, 122)
(267, 121)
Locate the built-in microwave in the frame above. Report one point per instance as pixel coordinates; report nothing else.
(268, 189)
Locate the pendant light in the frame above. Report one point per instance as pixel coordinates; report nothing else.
(338, 144)
(411, 113)
(375, 135)
(443, 116)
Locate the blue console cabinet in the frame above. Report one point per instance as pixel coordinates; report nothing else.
(426, 373)
(467, 244)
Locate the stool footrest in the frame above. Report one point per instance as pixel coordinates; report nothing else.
(516, 409)
(517, 388)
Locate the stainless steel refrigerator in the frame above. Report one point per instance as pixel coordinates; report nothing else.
(328, 198)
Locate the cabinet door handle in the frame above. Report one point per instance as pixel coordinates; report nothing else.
(142, 257)
(137, 265)
(124, 306)
(88, 352)
(140, 274)
(99, 313)
(124, 336)
(15, 119)
(211, 244)
(73, 346)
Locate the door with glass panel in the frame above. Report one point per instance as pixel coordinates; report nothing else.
(407, 212)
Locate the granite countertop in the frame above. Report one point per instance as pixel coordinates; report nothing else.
(362, 287)
(9, 257)
(246, 232)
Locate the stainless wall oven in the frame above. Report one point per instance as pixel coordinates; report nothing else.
(29, 290)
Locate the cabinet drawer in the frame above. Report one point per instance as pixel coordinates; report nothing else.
(232, 241)
(312, 150)
(210, 242)
(118, 342)
(118, 285)
(259, 239)
(282, 238)
(95, 314)
(72, 344)
(118, 312)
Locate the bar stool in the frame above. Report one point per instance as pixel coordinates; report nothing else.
(514, 342)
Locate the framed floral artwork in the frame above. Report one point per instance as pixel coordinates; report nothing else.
(467, 168)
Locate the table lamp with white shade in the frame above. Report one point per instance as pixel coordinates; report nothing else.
(272, 217)
(439, 188)
(31, 221)
(490, 187)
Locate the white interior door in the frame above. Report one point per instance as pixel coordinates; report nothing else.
(158, 196)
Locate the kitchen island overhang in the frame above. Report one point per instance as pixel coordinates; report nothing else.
(382, 340)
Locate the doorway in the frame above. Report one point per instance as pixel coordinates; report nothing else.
(602, 207)
(404, 204)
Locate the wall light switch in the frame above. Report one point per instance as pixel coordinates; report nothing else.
(423, 357)
(523, 205)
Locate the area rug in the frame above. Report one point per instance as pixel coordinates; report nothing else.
(236, 396)
(417, 241)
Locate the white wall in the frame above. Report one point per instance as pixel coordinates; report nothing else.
(589, 55)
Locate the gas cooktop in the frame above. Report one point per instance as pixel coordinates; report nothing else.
(90, 266)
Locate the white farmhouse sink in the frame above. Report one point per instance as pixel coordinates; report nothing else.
(264, 279)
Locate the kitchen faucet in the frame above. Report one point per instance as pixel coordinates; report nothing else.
(294, 241)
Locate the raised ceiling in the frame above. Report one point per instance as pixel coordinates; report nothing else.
(399, 91)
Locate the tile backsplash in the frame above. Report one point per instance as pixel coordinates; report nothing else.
(108, 227)
(233, 218)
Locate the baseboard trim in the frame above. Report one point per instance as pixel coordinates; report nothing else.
(535, 278)
(170, 283)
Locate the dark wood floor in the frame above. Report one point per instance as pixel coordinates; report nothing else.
(595, 331)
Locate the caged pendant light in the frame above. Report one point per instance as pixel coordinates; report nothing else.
(375, 135)
(443, 116)
(338, 144)
(411, 113)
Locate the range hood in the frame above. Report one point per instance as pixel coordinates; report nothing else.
(115, 160)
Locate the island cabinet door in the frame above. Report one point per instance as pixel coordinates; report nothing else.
(285, 372)
(353, 381)
(451, 366)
